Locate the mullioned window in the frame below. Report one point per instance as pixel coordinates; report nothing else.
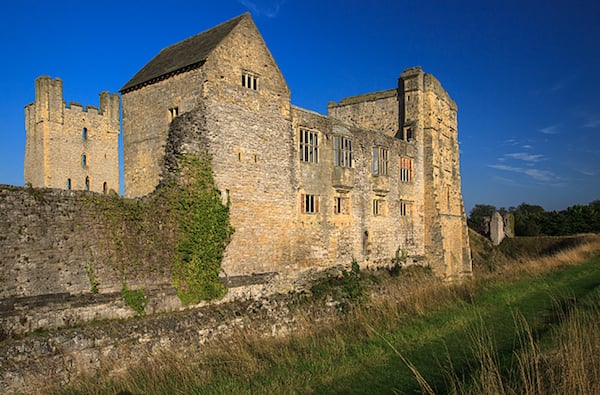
(380, 161)
(309, 204)
(309, 146)
(342, 151)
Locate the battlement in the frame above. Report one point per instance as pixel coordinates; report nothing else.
(71, 146)
(49, 103)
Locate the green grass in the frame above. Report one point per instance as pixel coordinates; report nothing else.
(474, 333)
(428, 341)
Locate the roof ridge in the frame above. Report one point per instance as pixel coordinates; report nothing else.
(184, 55)
(207, 30)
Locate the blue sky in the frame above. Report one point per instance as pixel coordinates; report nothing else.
(525, 74)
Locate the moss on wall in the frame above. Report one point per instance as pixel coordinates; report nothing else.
(184, 223)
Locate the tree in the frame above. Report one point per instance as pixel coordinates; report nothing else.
(528, 220)
(477, 218)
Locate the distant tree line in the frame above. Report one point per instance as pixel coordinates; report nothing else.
(532, 220)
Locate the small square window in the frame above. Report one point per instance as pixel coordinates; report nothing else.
(249, 80)
(378, 207)
(406, 169)
(173, 112)
(309, 204)
(405, 208)
(341, 205)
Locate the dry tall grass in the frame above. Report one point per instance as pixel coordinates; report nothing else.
(571, 367)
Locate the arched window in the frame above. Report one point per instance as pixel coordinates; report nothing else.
(105, 188)
(83, 160)
(68, 183)
(87, 183)
(84, 134)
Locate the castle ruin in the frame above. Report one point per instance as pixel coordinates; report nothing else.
(376, 178)
(71, 147)
(377, 175)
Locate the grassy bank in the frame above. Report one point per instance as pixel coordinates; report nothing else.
(527, 323)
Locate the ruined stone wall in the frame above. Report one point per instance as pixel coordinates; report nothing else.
(29, 365)
(147, 113)
(66, 255)
(373, 111)
(72, 147)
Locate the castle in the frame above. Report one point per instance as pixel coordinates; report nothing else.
(71, 147)
(378, 176)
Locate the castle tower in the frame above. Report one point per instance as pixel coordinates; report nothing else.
(428, 115)
(72, 147)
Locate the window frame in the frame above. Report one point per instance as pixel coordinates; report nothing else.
(379, 207)
(342, 152)
(341, 205)
(309, 203)
(406, 165)
(380, 161)
(308, 145)
(250, 80)
(173, 113)
(405, 208)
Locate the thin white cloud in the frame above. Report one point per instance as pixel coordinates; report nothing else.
(268, 8)
(511, 142)
(587, 172)
(527, 146)
(536, 174)
(524, 156)
(592, 123)
(550, 130)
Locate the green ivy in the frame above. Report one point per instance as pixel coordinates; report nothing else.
(346, 289)
(134, 298)
(204, 231)
(183, 222)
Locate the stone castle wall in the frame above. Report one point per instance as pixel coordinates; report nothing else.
(71, 147)
(431, 114)
(253, 137)
(147, 113)
(65, 260)
(93, 247)
(373, 111)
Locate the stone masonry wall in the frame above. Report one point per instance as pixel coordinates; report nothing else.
(373, 111)
(56, 142)
(147, 113)
(330, 238)
(432, 114)
(65, 259)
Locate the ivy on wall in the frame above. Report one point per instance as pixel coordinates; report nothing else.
(204, 230)
(183, 222)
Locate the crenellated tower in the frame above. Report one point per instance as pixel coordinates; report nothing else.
(71, 147)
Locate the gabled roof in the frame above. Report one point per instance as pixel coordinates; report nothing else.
(186, 55)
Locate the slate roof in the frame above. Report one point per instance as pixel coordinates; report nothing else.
(186, 55)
